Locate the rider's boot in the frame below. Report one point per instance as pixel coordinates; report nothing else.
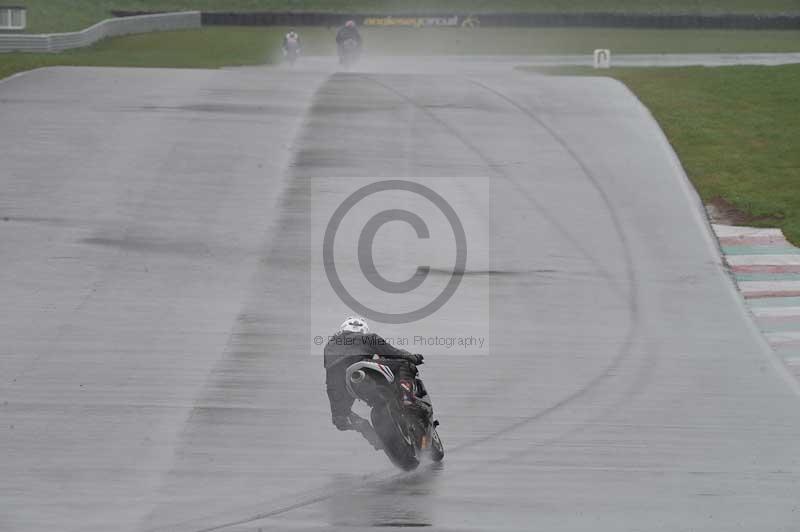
(364, 427)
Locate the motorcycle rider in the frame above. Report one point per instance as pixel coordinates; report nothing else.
(291, 41)
(347, 32)
(353, 343)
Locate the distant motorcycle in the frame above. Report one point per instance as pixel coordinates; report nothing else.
(291, 51)
(349, 52)
(407, 432)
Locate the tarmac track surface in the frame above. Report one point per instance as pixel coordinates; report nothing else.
(159, 240)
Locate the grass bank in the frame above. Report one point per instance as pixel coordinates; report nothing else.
(70, 15)
(735, 130)
(206, 48)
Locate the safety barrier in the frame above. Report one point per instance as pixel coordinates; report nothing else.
(531, 20)
(654, 21)
(57, 42)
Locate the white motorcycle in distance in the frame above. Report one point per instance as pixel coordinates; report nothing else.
(291, 47)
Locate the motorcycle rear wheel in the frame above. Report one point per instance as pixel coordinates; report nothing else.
(437, 447)
(398, 446)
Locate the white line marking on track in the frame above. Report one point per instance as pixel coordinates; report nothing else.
(783, 337)
(769, 286)
(763, 260)
(728, 231)
(776, 312)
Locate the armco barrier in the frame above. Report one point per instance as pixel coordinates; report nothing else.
(624, 20)
(57, 42)
(530, 20)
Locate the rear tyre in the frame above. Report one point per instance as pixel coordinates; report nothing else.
(437, 447)
(399, 447)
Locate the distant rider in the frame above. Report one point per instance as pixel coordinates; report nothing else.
(347, 32)
(291, 42)
(354, 343)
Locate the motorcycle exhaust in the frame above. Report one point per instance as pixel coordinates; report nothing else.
(357, 376)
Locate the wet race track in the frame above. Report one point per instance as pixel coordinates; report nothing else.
(161, 236)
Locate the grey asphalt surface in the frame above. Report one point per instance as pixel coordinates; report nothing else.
(161, 287)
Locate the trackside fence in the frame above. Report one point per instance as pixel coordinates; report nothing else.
(786, 21)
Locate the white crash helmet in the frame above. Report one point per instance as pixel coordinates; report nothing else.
(354, 324)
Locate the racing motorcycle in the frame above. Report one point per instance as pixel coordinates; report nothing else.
(349, 52)
(291, 51)
(408, 432)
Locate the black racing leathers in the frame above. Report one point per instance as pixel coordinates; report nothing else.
(342, 350)
(345, 33)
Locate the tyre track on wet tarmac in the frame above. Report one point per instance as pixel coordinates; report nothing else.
(389, 477)
(631, 276)
(276, 255)
(642, 376)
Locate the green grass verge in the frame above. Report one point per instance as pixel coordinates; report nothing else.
(70, 15)
(206, 48)
(735, 130)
